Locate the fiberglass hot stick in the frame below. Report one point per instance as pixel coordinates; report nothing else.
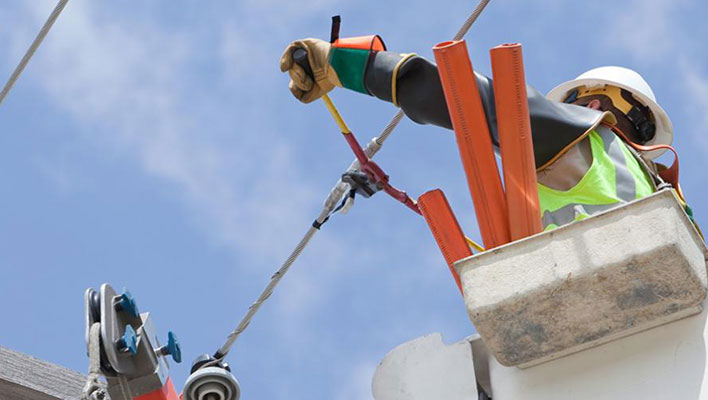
(339, 190)
(375, 144)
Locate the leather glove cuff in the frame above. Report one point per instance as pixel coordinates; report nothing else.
(350, 58)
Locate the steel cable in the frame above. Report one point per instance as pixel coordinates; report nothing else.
(339, 190)
(32, 49)
(459, 35)
(274, 280)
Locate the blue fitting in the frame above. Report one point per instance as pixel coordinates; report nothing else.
(128, 343)
(173, 347)
(126, 302)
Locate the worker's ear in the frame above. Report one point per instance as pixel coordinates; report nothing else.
(594, 104)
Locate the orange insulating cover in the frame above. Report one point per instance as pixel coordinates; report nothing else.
(473, 140)
(445, 229)
(515, 142)
(167, 392)
(371, 42)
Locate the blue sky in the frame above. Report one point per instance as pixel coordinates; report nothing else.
(157, 147)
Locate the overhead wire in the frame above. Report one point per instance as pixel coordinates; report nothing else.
(341, 190)
(32, 49)
(338, 191)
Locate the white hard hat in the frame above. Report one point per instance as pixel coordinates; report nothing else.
(630, 80)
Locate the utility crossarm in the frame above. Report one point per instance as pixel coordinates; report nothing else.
(23, 377)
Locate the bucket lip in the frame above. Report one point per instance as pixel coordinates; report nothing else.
(659, 196)
(447, 44)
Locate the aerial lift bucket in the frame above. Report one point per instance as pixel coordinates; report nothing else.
(611, 275)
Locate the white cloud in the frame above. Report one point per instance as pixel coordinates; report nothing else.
(131, 90)
(695, 86)
(645, 28)
(234, 45)
(655, 34)
(125, 84)
(357, 385)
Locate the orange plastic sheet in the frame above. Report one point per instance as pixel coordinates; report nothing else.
(473, 141)
(445, 228)
(515, 142)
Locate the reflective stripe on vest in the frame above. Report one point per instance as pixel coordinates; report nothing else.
(614, 177)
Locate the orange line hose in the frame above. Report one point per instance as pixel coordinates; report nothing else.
(516, 145)
(445, 228)
(473, 141)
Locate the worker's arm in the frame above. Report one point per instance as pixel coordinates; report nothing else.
(413, 84)
(417, 89)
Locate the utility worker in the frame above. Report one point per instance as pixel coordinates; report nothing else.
(583, 164)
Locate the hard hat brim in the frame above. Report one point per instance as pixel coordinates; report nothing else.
(664, 129)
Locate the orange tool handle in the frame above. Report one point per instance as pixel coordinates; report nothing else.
(514, 125)
(445, 228)
(473, 141)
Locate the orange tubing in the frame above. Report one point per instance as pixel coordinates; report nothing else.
(445, 228)
(473, 141)
(515, 142)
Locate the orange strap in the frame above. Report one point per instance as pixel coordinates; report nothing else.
(445, 228)
(670, 174)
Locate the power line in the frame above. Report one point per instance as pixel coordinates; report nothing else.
(337, 192)
(32, 49)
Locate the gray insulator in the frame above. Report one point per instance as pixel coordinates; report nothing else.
(211, 383)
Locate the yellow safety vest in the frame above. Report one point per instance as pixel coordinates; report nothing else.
(615, 177)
